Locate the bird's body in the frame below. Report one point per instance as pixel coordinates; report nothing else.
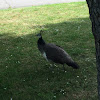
(54, 53)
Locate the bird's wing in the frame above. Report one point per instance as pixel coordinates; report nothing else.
(56, 53)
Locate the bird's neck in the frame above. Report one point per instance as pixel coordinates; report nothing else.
(41, 41)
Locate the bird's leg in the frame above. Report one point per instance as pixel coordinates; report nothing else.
(51, 66)
(64, 68)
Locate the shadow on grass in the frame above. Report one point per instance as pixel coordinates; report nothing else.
(25, 75)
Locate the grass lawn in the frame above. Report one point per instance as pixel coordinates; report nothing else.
(25, 74)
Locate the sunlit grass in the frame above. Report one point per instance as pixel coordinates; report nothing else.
(25, 74)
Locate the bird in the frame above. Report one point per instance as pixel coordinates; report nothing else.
(54, 53)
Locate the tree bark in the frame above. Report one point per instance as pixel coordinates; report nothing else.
(94, 11)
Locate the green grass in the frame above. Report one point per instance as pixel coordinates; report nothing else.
(25, 74)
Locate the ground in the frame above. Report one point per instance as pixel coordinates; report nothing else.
(25, 74)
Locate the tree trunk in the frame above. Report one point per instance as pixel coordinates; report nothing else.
(94, 11)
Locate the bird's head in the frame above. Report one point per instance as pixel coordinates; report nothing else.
(39, 34)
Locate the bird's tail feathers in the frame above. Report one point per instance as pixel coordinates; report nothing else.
(74, 65)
